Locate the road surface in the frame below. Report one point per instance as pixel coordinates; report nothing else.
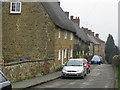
(101, 76)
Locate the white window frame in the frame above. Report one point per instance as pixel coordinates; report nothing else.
(59, 34)
(71, 36)
(71, 53)
(59, 54)
(65, 35)
(83, 52)
(11, 3)
(65, 53)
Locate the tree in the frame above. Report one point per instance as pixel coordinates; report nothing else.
(110, 49)
(117, 52)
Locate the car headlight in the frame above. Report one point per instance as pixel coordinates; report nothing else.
(64, 70)
(80, 71)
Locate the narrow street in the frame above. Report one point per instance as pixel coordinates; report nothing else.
(101, 76)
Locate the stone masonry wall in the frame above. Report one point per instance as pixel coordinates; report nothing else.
(27, 69)
(29, 34)
(61, 43)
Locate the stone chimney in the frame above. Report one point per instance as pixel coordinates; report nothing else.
(76, 20)
(71, 17)
(92, 33)
(67, 13)
(97, 35)
(59, 3)
(87, 31)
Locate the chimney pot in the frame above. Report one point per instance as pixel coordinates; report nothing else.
(72, 17)
(97, 35)
(67, 13)
(59, 3)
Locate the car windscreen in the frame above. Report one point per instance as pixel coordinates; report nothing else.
(2, 78)
(74, 63)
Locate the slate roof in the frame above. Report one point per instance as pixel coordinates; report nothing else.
(60, 19)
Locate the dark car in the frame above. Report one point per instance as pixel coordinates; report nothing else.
(4, 83)
(96, 59)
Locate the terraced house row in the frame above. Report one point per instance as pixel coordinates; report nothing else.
(43, 31)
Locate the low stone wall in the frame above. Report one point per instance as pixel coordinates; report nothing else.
(27, 69)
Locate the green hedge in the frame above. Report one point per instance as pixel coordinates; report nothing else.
(116, 65)
(116, 61)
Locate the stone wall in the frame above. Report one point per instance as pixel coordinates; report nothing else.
(28, 69)
(62, 44)
(29, 34)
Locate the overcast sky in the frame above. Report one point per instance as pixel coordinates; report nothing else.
(101, 16)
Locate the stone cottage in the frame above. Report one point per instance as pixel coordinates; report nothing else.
(41, 33)
(97, 46)
(101, 46)
(67, 33)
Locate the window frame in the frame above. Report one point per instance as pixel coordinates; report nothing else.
(59, 34)
(65, 35)
(71, 36)
(65, 53)
(71, 53)
(17, 12)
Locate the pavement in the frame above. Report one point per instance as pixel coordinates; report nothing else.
(37, 80)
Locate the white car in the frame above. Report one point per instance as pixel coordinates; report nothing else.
(4, 83)
(74, 68)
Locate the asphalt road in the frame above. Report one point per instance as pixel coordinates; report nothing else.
(101, 76)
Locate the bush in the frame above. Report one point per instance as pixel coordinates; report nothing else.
(59, 68)
(116, 61)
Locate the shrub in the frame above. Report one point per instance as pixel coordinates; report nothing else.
(59, 68)
(116, 61)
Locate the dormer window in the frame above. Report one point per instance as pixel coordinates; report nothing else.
(15, 7)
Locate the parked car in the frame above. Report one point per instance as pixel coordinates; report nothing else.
(96, 59)
(4, 83)
(87, 65)
(74, 68)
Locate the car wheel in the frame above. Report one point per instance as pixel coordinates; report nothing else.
(83, 76)
(63, 77)
(89, 71)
